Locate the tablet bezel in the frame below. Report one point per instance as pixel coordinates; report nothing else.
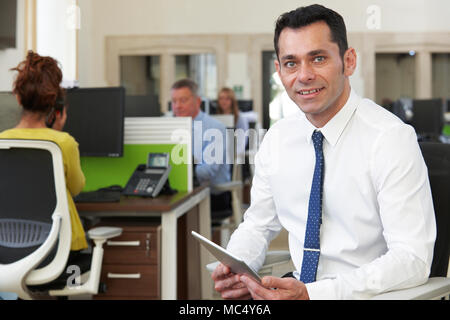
(235, 264)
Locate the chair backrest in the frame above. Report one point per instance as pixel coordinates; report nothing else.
(428, 117)
(32, 195)
(437, 159)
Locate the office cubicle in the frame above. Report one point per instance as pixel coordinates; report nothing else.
(141, 136)
(10, 111)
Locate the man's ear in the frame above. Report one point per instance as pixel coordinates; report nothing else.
(349, 62)
(199, 102)
(277, 67)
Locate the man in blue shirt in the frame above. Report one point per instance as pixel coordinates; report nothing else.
(209, 140)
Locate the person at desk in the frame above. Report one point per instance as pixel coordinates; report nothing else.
(186, 103)
(227, 104)
(37, 89)
(344, 177)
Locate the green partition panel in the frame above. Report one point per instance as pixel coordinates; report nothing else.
(103, 172)
(446, 130)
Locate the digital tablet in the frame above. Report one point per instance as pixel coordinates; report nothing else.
(235, 264)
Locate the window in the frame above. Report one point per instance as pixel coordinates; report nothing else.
(441, 75)
(395, 77)
(140, 75)
(201, 68)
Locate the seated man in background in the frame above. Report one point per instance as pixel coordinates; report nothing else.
(209, 144)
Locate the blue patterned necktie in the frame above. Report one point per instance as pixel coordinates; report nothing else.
(311, 250)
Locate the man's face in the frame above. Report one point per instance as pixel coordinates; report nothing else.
(184, 103)
(312, 71)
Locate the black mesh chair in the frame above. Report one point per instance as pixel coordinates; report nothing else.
(35, 229)
(437, 159)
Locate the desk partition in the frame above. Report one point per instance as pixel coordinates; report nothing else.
(144, 135)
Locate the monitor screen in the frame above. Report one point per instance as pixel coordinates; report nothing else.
(95, 118)
(142, 106)
(428, 116)
(243, 105)
(158, 160)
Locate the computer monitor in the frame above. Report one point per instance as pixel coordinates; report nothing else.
(142, 106)
(245, 105)
(95, 118)
(10, 110)
(428, 117)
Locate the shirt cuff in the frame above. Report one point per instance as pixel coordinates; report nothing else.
(321, 290)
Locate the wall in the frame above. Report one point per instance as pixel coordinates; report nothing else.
(101, 18)
(56, 26)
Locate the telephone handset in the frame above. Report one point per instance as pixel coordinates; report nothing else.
(148, 179)
(51, 117)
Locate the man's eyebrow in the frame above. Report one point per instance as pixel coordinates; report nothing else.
(316, 52)
(310, 53)
(288, 57)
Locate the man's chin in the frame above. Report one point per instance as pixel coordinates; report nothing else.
(309, 108)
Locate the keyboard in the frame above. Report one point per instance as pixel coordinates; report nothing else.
(98, 196)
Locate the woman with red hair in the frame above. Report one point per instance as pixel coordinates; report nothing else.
(37, 89)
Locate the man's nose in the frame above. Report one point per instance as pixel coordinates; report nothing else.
(305, 73)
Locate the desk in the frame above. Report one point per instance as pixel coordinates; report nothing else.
(169, 209)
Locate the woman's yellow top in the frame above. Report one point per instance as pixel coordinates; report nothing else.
(75, 179)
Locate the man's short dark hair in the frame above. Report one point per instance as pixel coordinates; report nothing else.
(186, 83)
(304, 16)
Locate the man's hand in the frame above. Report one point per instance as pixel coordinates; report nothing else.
(285, 288)
(228, 284)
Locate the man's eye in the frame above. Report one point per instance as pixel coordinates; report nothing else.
(289, 64)
(319, 59)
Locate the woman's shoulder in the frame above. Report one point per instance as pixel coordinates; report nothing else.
(63, 138)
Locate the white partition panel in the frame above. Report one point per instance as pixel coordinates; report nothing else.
(161, 130)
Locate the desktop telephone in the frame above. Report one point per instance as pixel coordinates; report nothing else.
(148, 179)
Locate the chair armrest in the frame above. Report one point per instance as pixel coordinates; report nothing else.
(434, 288)
(228, 186)
(103, 233)
(99, 235)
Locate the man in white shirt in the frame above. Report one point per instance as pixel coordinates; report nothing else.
(377, 225)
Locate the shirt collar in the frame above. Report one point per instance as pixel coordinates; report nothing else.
(334, 128)
(199, 116)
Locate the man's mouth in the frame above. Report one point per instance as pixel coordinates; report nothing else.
(309, 91)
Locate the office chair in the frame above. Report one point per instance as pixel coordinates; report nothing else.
(35, 227)
(229, 219)
(428, 119)
(437, 159)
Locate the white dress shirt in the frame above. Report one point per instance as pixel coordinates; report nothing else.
(378, 225)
